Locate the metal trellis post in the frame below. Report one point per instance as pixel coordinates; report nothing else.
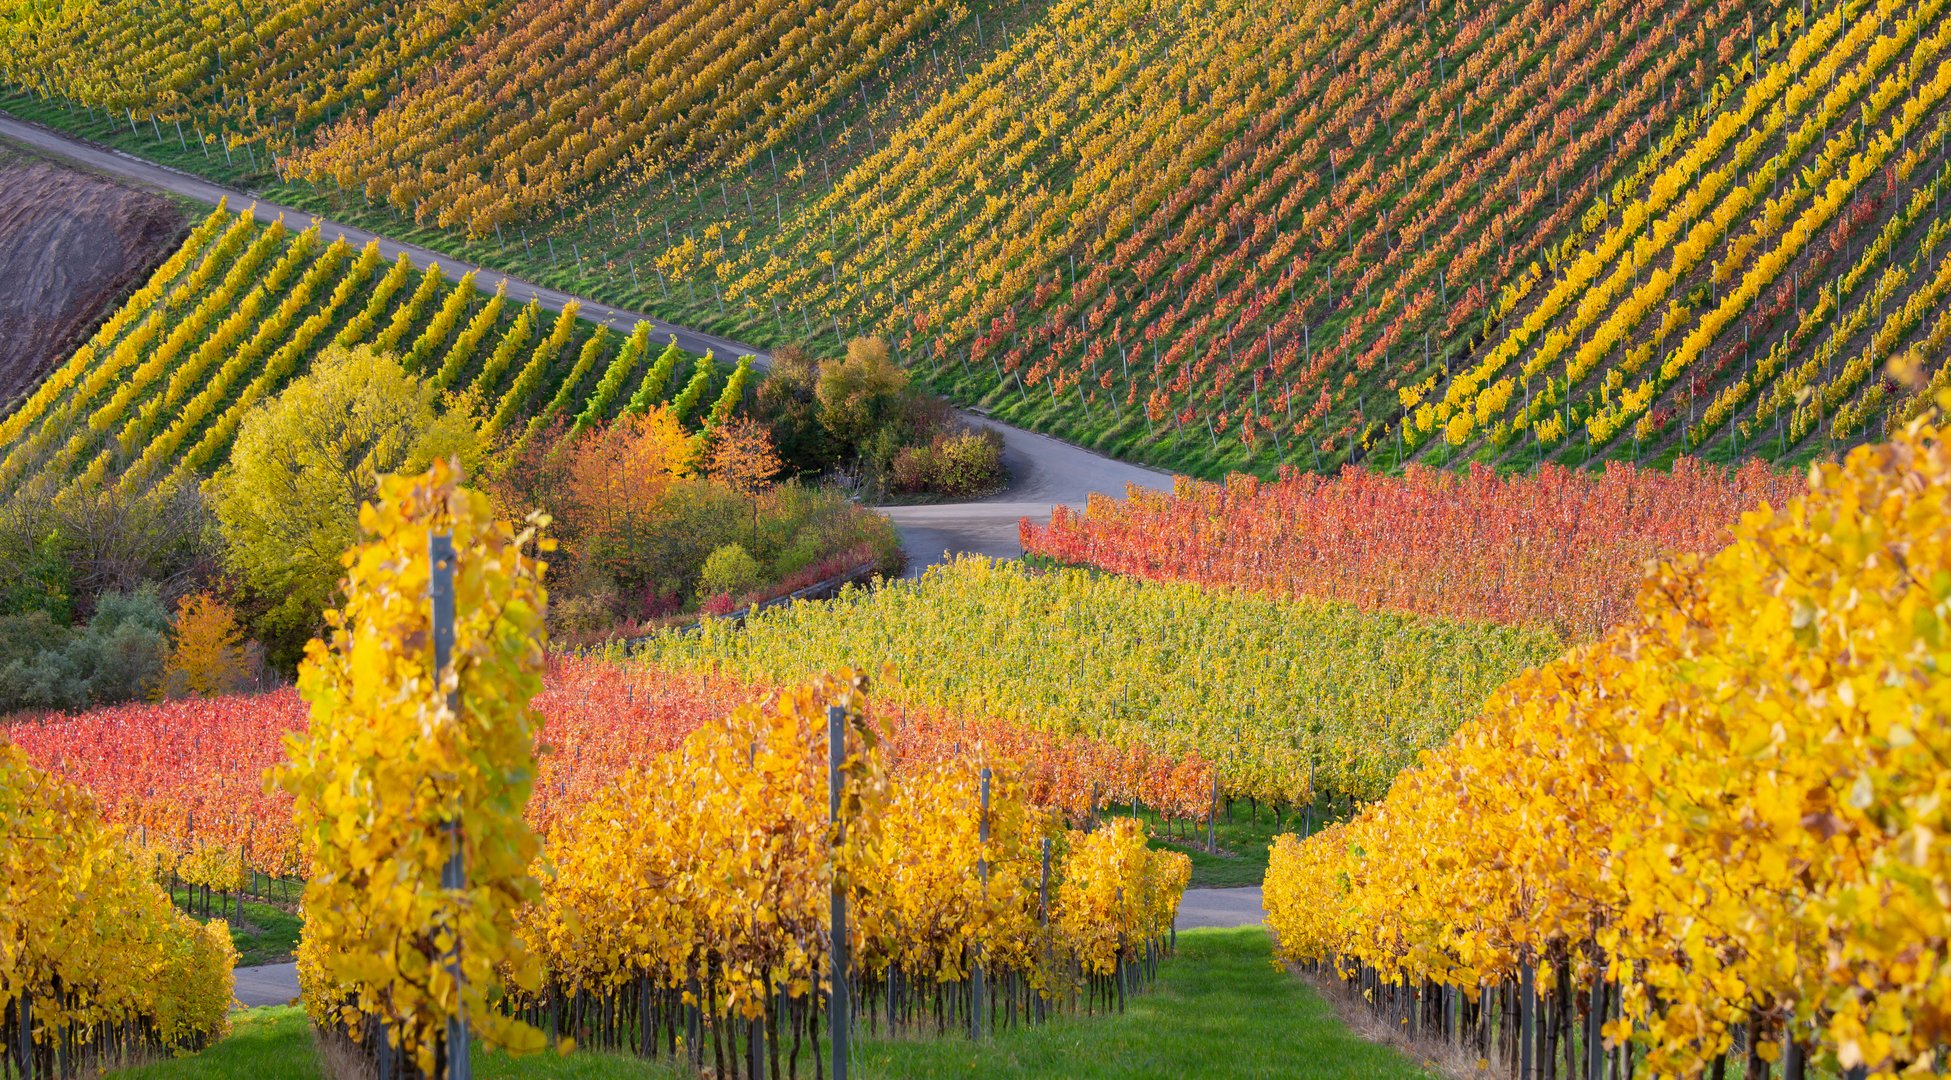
(453, 876)
(837, 1020)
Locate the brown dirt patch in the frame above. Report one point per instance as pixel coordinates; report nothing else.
(71, 244)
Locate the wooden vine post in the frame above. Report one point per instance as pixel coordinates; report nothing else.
(26, 1030)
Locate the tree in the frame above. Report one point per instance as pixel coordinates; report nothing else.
(533, 473)
(618, 475)
(861, 394)
(64, 548)
(207, 656)
(740, 456)
(287, 503)
(789, 397)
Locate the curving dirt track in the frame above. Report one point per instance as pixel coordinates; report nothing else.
(71, 246)
(43, 140)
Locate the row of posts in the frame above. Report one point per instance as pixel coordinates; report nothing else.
(454, 874)
(1529, 1045)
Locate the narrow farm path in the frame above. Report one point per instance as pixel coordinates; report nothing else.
(1044, 471)
(1221, 908)
(128, 167)
(267, 984)
(277, 984)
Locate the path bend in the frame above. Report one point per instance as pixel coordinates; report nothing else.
(1044, 471)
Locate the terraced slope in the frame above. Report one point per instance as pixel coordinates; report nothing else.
(1748, 295)
(240, 309)
(1207, 235)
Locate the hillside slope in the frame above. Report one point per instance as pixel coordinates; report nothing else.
(1752, 290)
(1202, 231)
(70, 246)
(242, 308)
(1209, 236)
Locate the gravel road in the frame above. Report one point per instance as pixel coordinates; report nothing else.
(1043, 471)
(266, 984)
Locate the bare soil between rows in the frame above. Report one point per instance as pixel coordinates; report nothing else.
(71, 246)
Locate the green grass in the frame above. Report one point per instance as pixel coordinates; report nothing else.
(269, 1043)
(275, 1043)
(1220, 1009)
(263, 933)
(1241, 855)
(266, 934)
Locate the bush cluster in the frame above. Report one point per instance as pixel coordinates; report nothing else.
(959, 465)
(118, 654)
(661, 512)
(859, 418)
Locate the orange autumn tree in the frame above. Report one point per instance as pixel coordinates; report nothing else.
(740, 456)
(206, 655)
(617, 477)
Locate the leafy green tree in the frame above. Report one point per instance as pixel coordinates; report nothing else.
(119, 656)
(287, 503)
(788, 399)
(862, 394)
